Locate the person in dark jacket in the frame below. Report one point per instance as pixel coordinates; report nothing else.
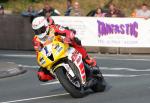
(48, 10)
(114, 12)
(69, 8)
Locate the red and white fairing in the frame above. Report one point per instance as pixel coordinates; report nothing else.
(76, 58)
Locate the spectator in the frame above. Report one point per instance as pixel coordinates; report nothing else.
(76, 11)
(48, 11)
(114, 12)
(30, 12)
(1, 10)
(69, 7)
(99, 13)
(133, 14)
(143, 12)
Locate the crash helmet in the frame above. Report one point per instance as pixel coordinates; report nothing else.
(40, 26)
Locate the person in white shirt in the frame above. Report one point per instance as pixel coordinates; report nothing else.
(144, 12)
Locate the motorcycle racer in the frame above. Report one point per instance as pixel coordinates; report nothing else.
(43, 28)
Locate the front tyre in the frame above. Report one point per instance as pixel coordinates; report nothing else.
(74, 91)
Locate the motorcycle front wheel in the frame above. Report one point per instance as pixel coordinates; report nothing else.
(71, 85)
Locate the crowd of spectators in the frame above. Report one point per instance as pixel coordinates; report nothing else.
(74, 9)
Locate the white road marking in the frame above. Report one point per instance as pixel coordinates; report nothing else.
(122, 75)
(35, 98)
(126, 69)
(49, 83)
(13, 69)
(118, 75)
(28, 66)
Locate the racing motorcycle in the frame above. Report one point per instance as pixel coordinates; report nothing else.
(66, 63)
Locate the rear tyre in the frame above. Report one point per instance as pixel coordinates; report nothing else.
(76, 92)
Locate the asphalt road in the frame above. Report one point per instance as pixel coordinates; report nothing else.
(127, 78)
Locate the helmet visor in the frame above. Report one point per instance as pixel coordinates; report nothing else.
(40, 30)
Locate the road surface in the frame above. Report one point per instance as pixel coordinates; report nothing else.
(128, 79)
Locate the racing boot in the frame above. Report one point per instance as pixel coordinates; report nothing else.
(44, 75)
(92, 63)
